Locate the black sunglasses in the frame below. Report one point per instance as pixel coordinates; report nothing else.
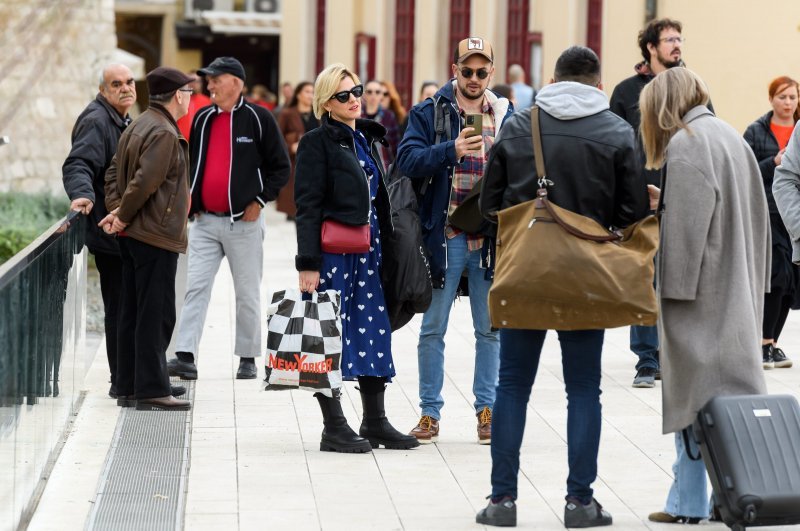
(344, 96)
(468, 72)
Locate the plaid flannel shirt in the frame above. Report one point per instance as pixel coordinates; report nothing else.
(469, 171)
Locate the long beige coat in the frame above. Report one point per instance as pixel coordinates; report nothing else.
(713, 268)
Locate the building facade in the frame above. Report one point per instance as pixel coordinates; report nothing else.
(737, 47)
(51, 54)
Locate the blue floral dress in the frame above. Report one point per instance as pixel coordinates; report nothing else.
(366, 335)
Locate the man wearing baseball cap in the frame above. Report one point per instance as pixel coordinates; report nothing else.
(451, 168)
(147, 196)
(238, 162)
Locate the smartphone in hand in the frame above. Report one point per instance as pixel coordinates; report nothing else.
(476, 122)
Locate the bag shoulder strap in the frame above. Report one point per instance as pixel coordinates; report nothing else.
(441, 120)
(538, 153)
(441, 124)
(541, 194)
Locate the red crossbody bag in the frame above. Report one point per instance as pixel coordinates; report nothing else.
(340, 238)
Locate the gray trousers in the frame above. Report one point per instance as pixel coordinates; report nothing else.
(210, 239)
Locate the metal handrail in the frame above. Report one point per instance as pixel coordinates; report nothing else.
(19, 261)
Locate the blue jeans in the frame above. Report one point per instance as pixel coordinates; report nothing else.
(688, 495)
(519, 360)
(644, 343)
(430, 350)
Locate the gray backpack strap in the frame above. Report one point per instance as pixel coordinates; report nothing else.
(441, 120)
(441, 124)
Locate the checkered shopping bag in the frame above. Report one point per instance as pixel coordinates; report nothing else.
(304, 342)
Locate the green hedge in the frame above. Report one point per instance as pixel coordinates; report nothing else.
(23, 217)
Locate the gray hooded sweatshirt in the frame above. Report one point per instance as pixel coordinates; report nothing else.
(568, 100)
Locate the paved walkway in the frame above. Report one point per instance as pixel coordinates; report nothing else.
(256, 464)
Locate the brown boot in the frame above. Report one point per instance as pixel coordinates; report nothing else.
(163, 403)
(427, 430)
(485, 426)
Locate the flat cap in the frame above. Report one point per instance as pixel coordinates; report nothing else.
(163, 80)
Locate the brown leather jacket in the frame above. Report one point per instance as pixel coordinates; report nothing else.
(149, 180)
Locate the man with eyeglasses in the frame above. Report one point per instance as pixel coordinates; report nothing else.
(239, 162)
(94, 142)
(660, 42)
(447, 171)
(147, 196)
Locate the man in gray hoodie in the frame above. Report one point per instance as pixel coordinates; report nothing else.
(592, 170)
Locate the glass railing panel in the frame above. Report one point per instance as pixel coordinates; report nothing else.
(43, 361)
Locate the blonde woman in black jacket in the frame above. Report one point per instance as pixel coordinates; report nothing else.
(339, 177)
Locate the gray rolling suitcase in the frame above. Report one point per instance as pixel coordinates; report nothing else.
(751, 449)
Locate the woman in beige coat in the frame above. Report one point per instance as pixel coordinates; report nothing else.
(712, 270)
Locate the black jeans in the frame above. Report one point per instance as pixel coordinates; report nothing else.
(776, 309)
(110, 268)
(146, 320)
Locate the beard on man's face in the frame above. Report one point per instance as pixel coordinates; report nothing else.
(668, 62)
(462, 88)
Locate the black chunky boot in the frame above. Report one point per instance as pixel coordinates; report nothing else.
(337, 435)
(374, 425)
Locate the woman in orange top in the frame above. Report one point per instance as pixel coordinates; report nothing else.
(768, 137)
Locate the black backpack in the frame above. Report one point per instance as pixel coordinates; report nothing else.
(406, 272)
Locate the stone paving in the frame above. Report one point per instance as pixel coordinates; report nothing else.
(256, 464)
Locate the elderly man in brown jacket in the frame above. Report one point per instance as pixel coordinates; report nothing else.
(147, 196)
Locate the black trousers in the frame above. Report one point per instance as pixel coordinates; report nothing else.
(776, 309)
(110, 268)
(146, 319)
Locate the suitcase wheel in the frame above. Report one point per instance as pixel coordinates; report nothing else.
(750, 514)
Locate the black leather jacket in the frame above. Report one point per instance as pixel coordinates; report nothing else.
(330, 183)
(591, 162)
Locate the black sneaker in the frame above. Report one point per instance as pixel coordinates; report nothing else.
(780, 359)
(183, 369)
(500, 514)
(767, 353)
(577, 514)
(645, 377)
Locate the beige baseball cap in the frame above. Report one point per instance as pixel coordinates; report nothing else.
(471, 46)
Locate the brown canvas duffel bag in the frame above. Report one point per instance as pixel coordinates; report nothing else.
(558, 270)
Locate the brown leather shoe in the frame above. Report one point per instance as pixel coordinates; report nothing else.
(426, 430)
(163, 403)
(485, 426)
